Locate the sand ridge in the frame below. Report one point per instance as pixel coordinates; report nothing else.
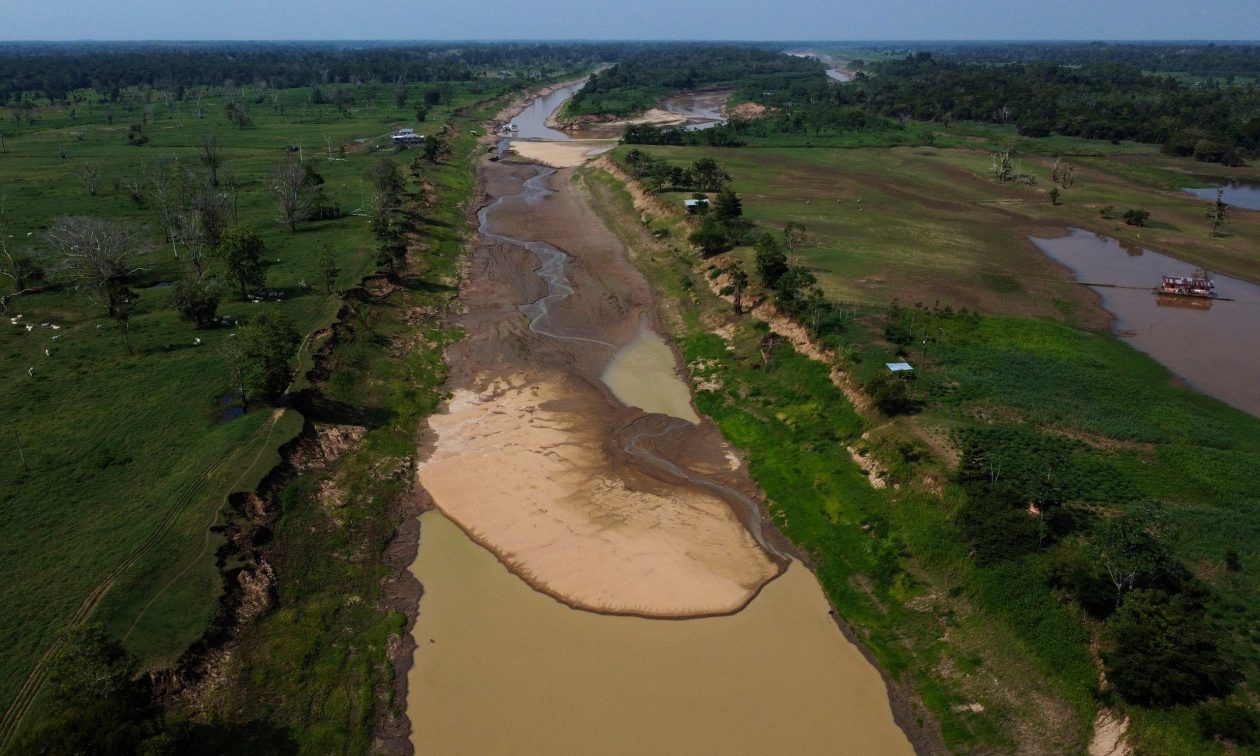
(520, 466)
(562, 154)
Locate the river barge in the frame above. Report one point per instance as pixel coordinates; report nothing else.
(1198, 286)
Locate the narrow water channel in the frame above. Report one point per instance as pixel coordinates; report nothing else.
(1214, 345)
(531, 122)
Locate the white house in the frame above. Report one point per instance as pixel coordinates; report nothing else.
(406, 136)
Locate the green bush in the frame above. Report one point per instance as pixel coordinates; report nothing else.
(997, 524)
(890, 394)
(1228, 721)
(1163, 650)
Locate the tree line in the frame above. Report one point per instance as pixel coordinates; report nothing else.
(1212, 59)
(1106, 100)
(641, 80)
(53, 71)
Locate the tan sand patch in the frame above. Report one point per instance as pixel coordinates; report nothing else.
(522, 469)
(562, 154)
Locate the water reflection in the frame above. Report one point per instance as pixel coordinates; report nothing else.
(532, 121)
(1234, 193)
(1213, 345)
(1187, 303)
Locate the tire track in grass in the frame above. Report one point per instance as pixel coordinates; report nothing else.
(205, 543)
(189, 492)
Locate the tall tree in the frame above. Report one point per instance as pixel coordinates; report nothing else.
(1133, 548)
(792, 290)
(101, 257)
(241, 251)
(436, 149)
(211, 158)
(1216, 213)
(292, 188)
(709, 176)
(268, 345)
(328, 269)
(728, 206)
(739, 283)
(772, 263)
(20, 267)
(196, 300)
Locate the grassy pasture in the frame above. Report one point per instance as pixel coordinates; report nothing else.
(127, 449)
(927, 224)
(317, 664)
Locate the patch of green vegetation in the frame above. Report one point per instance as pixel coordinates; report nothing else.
(318, 664)
(127, 458)
(875, 551)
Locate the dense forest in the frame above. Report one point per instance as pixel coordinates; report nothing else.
(52, 71)
(1195, 59)
(1098, 101)
(639, 81)
(1211, 121)
(1113, 101)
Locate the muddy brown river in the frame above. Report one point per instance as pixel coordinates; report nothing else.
(501, 668)
(1213, 345)
(599, 577)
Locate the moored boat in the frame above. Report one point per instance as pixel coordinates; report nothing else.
(1197, 285)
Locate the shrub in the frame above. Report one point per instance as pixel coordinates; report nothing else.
(196, 301)
(1136, 217)
(890, 394)
(1164, 651)
(997, 524)
(1228, 721)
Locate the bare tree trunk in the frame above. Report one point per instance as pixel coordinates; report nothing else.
(211, 158)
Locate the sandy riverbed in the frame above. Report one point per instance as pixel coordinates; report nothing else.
(537, 459)
(562, 154)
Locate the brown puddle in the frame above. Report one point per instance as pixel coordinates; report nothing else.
(642, 374)
(503, 669)
(1214, 345)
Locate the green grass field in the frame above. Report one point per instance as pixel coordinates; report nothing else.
(128, 461)
(928, 224)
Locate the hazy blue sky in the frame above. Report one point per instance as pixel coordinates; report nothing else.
(629, 19)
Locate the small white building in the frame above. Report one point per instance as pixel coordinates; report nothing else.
(695, 205)
(406, 136)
